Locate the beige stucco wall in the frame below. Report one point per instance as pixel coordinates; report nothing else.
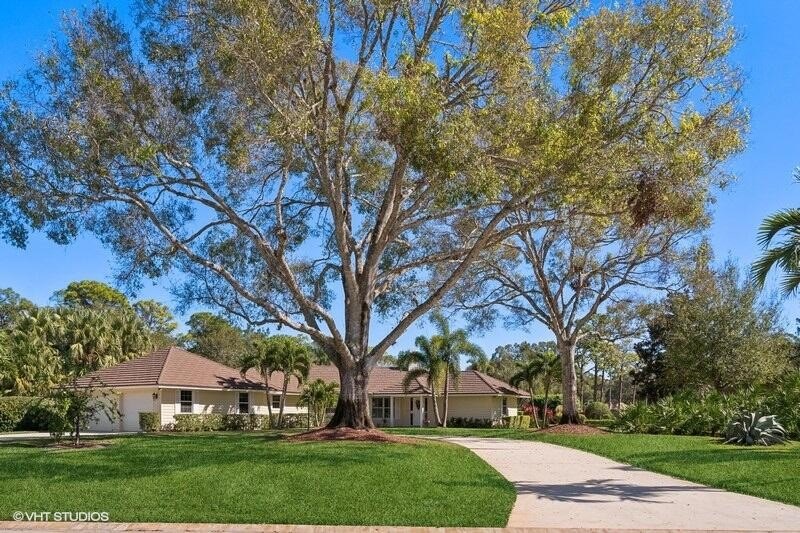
(223, 402)
(130, 402)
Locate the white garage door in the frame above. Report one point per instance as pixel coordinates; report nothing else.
(103, 423)
(133, 403)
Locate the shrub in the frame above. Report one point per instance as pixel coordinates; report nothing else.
(227, 422)
(149, 422)
(13, 410)
(519, 421)
(597, 410)
(600, 423)
(752, 428)
(469, 422)
(194, 422)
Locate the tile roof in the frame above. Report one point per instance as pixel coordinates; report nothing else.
(175, 367)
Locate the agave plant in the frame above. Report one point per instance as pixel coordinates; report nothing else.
(750, 428)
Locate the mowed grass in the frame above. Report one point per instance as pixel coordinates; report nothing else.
(256, 478)
(768, 472)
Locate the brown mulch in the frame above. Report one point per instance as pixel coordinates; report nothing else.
(84, 445)
(573, 429)
(361, 435)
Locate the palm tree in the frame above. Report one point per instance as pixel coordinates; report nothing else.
(786, 254)
(427, 363)
(541, 365)
(452, 345)
(263, 359)
(318, 396)
(293, 358)
(528, 375)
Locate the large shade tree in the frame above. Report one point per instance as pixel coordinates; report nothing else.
(658, 86)
(317, 164)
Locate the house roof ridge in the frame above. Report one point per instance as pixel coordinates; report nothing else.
(483, 378)
(164, 364)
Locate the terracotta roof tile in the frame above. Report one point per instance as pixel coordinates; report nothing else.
(175, 367)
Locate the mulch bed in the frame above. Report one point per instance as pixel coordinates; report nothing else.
(361, 435)
(573, 429)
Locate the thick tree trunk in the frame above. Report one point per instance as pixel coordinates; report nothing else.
(446, 397)
(569, 392)
(594, 392)
(352, 408)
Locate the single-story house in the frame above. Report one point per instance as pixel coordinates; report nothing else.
(172, 381)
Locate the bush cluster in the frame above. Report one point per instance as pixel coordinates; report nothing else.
(18, 412)
(149, 422)
(690, 413)
(233, 422)
(519, 421)
(597, 411)
(469, 422)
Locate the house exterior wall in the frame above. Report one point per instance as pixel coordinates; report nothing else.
(132, 401)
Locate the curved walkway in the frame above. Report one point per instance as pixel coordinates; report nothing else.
(559, 487)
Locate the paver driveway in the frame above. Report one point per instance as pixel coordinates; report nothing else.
(560, 487)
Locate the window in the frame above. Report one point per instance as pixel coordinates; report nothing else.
(244, 403)
(276, 401)
(505, 406)
(186, 401)
(381, 408)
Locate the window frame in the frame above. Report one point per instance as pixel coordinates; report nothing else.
(384, 409)
(185, 403)
(245, 403)
(276, 401)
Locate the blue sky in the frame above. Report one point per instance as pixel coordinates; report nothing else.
(768, 54)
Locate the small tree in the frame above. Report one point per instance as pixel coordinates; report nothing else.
(263, 359)
(319, 396)
(293, 358)
(74, 407)
(424, 362)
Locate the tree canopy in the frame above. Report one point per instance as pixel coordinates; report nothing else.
(292, 157)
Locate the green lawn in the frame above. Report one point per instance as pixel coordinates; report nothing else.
(772, 472)
(257, 478)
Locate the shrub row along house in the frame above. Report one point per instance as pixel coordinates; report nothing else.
(172, 381)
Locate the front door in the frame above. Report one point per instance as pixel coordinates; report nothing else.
(413, 411)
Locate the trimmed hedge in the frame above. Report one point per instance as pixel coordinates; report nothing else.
(469, 422)
(600, 422)
(519, 421)
(149, 422)
(233, 422)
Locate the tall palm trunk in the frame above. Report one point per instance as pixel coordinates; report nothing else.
(533, 408)
(435, 406)
(446, 395)
(269, 397)
(283, 399)
(546, 398)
